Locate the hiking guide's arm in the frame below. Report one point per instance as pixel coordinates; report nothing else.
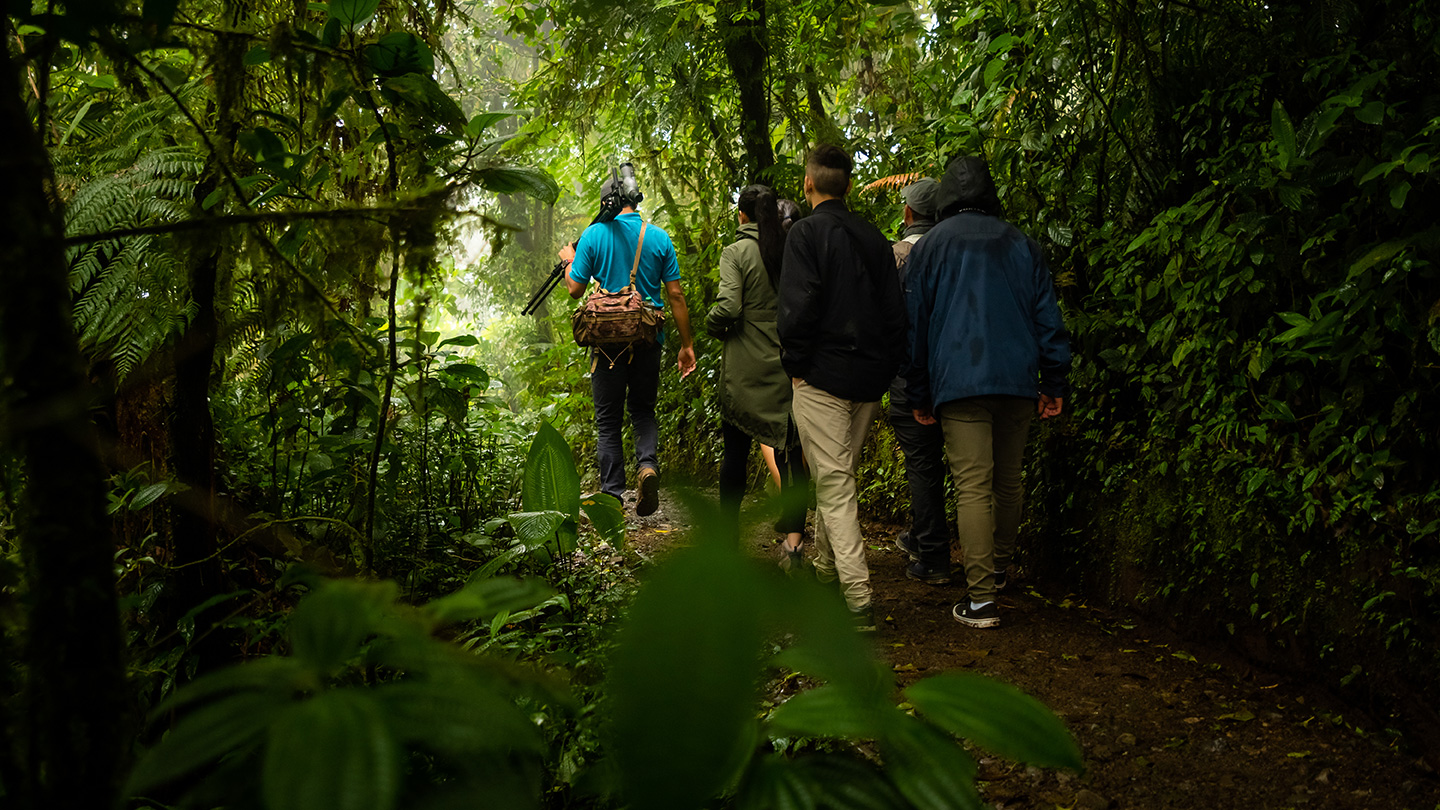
(676, 299)
(575, 288)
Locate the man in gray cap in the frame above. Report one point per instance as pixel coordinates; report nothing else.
(988, 353)
(927, 541)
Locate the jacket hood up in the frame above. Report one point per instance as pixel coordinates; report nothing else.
(967, 184)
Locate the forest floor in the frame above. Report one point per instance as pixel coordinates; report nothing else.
(1164, 723)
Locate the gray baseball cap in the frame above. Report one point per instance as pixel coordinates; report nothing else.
(922, 196)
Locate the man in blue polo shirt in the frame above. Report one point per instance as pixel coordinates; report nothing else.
(605, 254)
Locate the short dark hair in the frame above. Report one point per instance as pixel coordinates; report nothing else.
(829, 169)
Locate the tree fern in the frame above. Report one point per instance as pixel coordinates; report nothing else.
(130, 297)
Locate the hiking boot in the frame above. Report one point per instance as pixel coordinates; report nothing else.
(906, 543)
(863, 618)
(920, 572)
(649, 488)
(987, 616)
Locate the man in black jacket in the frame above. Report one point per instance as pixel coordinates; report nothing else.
(842, 337)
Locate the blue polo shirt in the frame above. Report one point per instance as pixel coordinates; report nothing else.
(607, 250)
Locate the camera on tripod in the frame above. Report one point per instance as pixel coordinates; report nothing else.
(620, 191)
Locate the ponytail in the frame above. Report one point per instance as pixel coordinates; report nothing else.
(758, 204)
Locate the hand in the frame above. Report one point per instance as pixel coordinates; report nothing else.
(795, 381)
(687, 361)
(567, 253)
(1049, 406)
(924, 416)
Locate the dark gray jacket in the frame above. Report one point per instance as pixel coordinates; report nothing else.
(842, 314)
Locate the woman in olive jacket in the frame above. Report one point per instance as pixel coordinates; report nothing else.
(754, 388)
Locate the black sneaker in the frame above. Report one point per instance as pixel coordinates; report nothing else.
(863, 618)
(906, 544)
(987, 616)
(649, 487)
(919, 572)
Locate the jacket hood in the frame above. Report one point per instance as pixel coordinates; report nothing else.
(967, 184)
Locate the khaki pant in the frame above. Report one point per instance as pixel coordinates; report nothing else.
(832, 431)
(985, 443)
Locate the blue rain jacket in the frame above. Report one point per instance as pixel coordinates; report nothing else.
(983, 316)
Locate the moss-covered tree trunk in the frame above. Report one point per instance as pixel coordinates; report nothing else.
(747, 50)
(70, 740)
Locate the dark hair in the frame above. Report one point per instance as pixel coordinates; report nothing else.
(758, 204)
(789, 213)
(829, 169)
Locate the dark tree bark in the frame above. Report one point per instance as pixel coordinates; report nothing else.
(196, 539)
(71, 739)
(192, 440)
(747, 50)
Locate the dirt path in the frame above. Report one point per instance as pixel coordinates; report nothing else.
(1164, 724)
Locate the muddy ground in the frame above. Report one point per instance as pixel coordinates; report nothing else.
(1164, 723)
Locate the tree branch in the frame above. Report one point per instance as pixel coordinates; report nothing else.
(256, 217)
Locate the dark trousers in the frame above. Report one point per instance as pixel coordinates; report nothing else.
(794, 480)
(924, 449)
(634, 381)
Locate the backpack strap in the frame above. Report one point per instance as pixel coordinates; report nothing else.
(636, 266)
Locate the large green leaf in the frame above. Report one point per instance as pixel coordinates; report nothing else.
(845, 783)
(535, 529)
(607, 516)
(551, 482)
(929, 768)
(682, 679)
(326, 630)
(427, 97)
(333, 752)
(773, 784)
(997, 717)
(456, 718)
(398, 53)
(830, 711)
(353, 13)
(483, 121)
(485, 598)
(468, 372)
(1284, 133)
(827, 647)
(518, 180)
(273, 673)
(205, 735)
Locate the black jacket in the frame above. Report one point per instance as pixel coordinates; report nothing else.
(841, 315)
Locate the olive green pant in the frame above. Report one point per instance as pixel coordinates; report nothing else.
(832, 431)
(985, 444)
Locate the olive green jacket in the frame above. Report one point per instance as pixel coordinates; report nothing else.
(754, 389)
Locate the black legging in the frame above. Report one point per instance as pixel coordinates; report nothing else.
(794, 479)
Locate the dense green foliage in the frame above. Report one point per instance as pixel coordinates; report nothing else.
(1238, 201)
(298, 238)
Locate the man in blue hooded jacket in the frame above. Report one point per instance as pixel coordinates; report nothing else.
(989, 351)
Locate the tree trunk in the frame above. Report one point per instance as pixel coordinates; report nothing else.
(192, 442)
(71, 740)
(747, 50)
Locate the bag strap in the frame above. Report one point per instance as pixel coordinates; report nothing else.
(636, 266)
